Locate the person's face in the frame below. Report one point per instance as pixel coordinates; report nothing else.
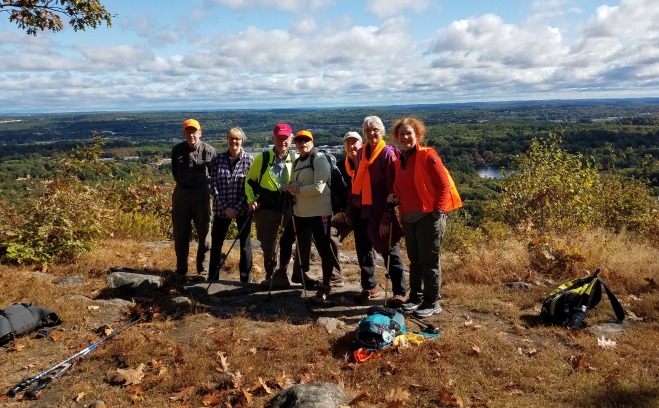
(373, 135)
(406, 137)
(192, 136)
(235, 144)
(303, 145)
(282, 143)
(351, 145)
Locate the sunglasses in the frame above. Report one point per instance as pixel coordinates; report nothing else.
(302, 140)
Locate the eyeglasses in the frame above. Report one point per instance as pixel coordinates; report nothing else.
(302, 140)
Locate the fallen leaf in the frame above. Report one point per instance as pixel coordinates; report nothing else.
(211, 400)
(56, 335)
(252, 350)
(224, 366)
(130, 376)
(79, 397)
(447, 397)
(475, 350)
(17, 346)
(182, 394)
(93, 307)
(532, 352)
(468, 322)
(247, 395)
(605, 343)
(283, 380)
(138, 393)
(397, 398)
(363, 396)
(265, 387)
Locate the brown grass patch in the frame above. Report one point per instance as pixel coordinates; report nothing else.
(492, 351)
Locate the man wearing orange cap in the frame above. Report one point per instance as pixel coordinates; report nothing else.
(191, 203)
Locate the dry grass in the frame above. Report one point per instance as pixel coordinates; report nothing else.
(492, 352)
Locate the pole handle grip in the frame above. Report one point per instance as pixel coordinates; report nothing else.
(18, 387)
(34, 391)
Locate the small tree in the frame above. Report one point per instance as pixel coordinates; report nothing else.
(33, 15)
(552, 189)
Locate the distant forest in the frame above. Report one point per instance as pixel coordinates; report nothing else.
(620, 135)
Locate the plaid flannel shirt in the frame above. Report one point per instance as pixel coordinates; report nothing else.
(228, 186)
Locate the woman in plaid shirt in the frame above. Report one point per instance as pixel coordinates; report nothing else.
(228, 172)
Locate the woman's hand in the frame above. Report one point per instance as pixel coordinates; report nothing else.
(392, 199)
(384, 230)
(293, 188)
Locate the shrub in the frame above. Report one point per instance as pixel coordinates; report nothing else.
(556, 191)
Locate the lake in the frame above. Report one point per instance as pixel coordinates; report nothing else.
(488, 172)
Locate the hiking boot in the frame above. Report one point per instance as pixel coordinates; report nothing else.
(396, 301)
(337, 283)
(279, 282)
(410, 306)
(321, 295)
(367, 294)
(309, 282)
(427, 310)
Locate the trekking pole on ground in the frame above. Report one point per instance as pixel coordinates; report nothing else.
(240, 232)
(82, 353)
(33, 392)
(299, 259)
(425, 326)
(274, 256)
(386, 275)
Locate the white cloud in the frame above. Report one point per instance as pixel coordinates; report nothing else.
(287, 5)
(392, 8)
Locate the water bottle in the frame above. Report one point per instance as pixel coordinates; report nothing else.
(576, 321)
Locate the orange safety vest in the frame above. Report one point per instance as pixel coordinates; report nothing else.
(427, 192)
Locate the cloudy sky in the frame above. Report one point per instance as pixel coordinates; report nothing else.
(235, 54)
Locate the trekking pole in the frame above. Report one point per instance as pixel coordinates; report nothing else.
(240, 232)
(386, 275)
(425, 326)
(41, 384)
(299, 259)
(27, 381)
(274, 256)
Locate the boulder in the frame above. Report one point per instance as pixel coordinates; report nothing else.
(312, 395)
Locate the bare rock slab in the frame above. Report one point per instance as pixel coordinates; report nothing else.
(312, 395)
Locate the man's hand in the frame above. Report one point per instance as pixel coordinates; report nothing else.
(231, 213)
(253, 206)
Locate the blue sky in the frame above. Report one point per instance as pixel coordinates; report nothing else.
(251, 54)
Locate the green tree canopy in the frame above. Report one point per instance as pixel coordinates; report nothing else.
(33, 15)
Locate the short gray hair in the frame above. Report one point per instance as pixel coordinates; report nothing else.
(374, 121)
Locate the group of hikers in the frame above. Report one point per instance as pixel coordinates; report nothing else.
(287, 194)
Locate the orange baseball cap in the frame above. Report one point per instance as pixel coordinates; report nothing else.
(191, 123)
(303, 133)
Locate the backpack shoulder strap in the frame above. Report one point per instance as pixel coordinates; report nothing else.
(264, 163)
(617, 307)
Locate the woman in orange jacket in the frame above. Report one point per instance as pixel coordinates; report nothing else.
(423, 191)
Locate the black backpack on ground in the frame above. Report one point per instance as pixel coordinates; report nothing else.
(23, 318)
(338, 188)
(569, 302)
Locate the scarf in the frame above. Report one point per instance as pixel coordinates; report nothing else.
(349, 170)
(362, 182)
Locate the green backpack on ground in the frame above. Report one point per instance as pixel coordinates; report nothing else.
(569, 302)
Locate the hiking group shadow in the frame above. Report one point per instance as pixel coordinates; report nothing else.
(175, 296)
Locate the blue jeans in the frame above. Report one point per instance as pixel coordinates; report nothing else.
(423, 240)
